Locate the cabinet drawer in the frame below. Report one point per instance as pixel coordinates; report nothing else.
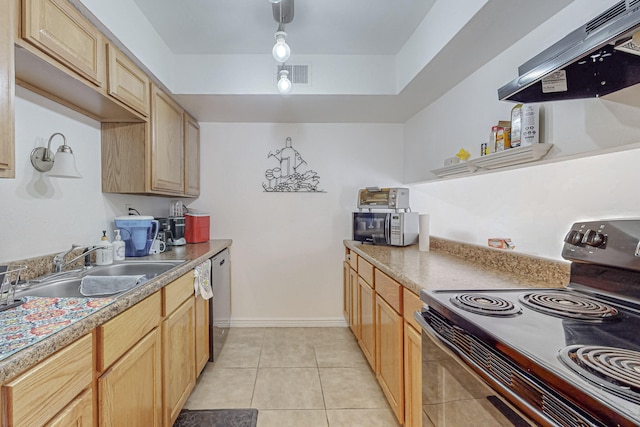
(126, 82)
(389, 290)
(59, 30)
(77, 413)
(365, 270)
(176, 292)
(36, 396)
(119, 334)
(353, 260)
(411, 303)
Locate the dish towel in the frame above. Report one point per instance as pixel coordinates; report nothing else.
(108, 285)
(202, 280)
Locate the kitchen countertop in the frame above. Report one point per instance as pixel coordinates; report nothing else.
(192, 254)
(454, 265)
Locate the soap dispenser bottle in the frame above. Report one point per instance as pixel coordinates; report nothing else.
(104, 253)
(118, 247)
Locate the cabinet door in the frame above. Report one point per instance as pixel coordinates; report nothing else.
(59, 30)
(179, 360)
(130, 392)
(36, 396)
(367, 326)
(202, 333)
(346, 293)
(126, 82)
(191, 156)
(354, 313)
(167, 147)
(389, 355)
(7, 91)
(412, 377)
(78, 413)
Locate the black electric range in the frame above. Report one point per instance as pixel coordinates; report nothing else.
(565, 357)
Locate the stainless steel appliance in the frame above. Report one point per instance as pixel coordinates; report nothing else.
(559, 357)
(176, 225)
(383, 198)
(386, 228)
(220, 304)
(601, 57)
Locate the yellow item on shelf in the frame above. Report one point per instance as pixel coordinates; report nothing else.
(463, 154)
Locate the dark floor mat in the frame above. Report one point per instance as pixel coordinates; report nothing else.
(217, 418)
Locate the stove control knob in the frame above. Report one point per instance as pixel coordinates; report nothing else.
(594, 238)
(574, 237)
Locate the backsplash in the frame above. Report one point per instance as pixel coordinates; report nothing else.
(42, 265)
(551, 271)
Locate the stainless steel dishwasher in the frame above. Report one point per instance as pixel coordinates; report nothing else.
(220, 306)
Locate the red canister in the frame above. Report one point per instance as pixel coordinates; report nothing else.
(196, 227)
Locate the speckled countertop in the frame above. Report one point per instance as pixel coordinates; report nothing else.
(192, 254)
(454, 265)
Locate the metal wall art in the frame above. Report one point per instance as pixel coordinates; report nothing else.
(291, 174)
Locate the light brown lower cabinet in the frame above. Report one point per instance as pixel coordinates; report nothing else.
(412, 377)
(45, 392)
(387, 334)
(367, 305)
(130, 392)
(346, 292)
(389, 355)
(78, 413)
(202, 333)
(354, 317)
(179, 374)
(129, 366)
(178, 346)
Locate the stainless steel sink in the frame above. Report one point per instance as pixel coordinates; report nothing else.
(69, 287)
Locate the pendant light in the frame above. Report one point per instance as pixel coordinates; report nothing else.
(281, 50)
(284, 84)
(283, 14)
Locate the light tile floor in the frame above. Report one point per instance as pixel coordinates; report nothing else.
(295, 377)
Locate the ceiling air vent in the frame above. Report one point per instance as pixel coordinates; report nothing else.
(297, 73)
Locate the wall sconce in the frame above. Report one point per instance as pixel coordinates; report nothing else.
(62, 165)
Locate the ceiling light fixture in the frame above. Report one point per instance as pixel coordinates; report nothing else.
(62, 165)
(281, 50)
(283, 14)
(284, 84)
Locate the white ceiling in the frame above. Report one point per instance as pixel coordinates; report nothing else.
(319, 27)
(336, 28)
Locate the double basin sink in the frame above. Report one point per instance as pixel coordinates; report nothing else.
(67, 284)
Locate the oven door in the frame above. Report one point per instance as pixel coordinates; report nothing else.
(453, 395)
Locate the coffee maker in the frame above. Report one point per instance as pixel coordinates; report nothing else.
(176, 224)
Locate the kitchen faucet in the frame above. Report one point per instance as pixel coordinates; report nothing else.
(59, 262)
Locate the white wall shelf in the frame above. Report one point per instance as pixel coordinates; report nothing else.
(501, 159)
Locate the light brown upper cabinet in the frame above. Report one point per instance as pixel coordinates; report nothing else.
(60, 31)
(61, 55)
(7, 91)
(191, 156)
(126, 82)
(160, 157)
(167, 143)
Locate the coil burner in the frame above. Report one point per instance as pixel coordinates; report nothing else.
(485, 304)
(562, 304)
(619, 368)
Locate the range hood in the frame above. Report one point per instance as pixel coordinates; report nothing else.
(599, 58)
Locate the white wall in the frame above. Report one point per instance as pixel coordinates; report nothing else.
(43, 215)
(287, 247)
(535, 206)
